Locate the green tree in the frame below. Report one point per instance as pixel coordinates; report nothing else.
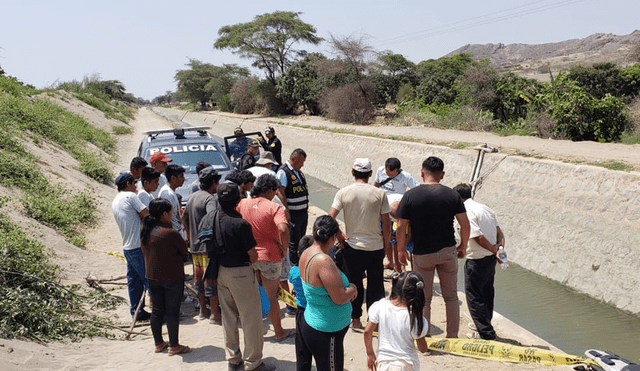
(477, 86)
(436, 78)
(268, 40)
(602, 79)
(301, 85)
(203, 81)
(192, 82)
(393, 71)
(223, 79)
(515, 96)
(582, 116)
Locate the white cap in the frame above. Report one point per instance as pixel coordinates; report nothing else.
(362, 165)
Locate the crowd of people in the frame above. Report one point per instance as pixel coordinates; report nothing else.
(247, 233)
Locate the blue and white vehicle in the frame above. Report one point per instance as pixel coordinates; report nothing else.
(187, 146)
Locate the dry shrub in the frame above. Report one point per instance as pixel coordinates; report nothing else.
(634, 112)
(346, 103)
(240, 95)
(330, 67)
(267, 101)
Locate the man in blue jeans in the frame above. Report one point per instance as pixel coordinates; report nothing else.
(128, 210)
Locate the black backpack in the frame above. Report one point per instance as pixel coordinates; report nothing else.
(210, 234)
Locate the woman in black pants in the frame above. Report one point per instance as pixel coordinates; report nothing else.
(164, 252)
(329, 294)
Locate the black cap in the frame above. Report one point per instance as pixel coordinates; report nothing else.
(208, 174)
(123, 179)
(228, 192)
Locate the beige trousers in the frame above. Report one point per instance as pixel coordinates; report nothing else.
(240, 300)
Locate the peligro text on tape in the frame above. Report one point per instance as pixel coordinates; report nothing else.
(497, 351)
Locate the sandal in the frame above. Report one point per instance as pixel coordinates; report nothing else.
(287, 335)
(161, 347)
(180, 349)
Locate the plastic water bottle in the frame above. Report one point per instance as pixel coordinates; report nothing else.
(503, 256)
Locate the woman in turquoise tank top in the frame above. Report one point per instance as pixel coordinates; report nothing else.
(329, 295)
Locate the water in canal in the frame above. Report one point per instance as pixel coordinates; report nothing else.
(567, 319)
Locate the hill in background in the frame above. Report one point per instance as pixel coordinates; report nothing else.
(534, 61)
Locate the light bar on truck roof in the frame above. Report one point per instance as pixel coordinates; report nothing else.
(188, 128)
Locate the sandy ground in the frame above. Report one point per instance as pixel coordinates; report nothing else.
(206, 339)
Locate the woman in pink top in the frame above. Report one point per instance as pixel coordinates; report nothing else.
(269, 226)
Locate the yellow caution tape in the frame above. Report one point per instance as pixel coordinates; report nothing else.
(287, 298)
(497, 351)
(117, 255)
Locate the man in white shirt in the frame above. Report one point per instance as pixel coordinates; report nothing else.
(128, 210)
(149, 180)
(364, 206)
(175, 179)
(265, 165)
(485, 238)
(395, 182)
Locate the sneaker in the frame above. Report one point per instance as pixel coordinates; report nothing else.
(215, 321)
(237, 367)
(476, 335)
(290, 311)
(472, 326)
(264, 367)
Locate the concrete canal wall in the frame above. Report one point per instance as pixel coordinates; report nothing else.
(576, 224)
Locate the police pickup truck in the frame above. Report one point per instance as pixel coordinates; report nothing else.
(186, 146)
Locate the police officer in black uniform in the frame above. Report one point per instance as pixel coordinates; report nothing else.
(249, 158)
(295, 192)
(273, 145)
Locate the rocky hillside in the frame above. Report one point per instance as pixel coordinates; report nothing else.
(536, 60)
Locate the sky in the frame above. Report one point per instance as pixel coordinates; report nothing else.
(144, 43)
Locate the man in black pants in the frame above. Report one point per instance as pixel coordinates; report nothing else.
(485, 238)
(364, 207)
(294, 194)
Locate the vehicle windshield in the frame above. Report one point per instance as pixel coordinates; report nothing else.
(188, 156)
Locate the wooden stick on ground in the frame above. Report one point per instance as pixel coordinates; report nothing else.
(135, 315)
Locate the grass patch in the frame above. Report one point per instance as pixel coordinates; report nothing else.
(189, 107)
(37, 119)
(33, 304)
(52, 122)
(122, 130)
(456, 145)
(44, 202)
(626, 138)
(614, 165)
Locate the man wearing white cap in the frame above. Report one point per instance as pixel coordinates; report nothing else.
(364, 249)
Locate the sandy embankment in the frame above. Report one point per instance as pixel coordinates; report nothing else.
(205, 339)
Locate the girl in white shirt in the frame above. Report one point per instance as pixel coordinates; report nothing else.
(399, 321)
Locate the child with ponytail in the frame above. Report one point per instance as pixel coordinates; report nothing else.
(399, 321)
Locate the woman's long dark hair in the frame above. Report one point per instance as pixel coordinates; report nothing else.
(324, 228)
(409, 288)
(157, 207)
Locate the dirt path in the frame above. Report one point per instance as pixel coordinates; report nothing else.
(205, 339)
